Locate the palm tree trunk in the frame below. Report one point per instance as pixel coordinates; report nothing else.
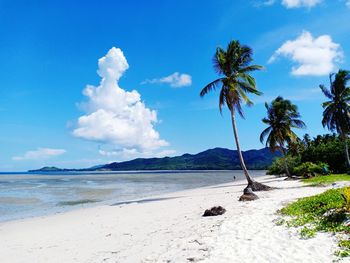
(346, 148)
(347, 153)
(241, 160)
(285, 162)
(255, 186)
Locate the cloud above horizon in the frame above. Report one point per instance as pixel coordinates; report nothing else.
(115, 116)
(313, 56)
(293, 3)
(125, 154)
(175, 80)
(39, 154)
(300, 3)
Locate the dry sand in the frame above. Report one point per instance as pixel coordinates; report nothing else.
(170, 228)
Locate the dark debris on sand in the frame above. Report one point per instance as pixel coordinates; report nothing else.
(215, 211)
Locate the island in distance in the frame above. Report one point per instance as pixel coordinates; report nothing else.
(212, 159)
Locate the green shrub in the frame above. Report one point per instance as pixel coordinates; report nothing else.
(308, 169)
(326, 212)
(278, 167)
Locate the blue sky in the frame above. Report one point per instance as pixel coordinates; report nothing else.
(163, 51)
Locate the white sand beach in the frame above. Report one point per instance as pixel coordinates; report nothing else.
(170, 228)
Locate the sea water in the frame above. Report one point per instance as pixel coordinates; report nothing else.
(25, 195)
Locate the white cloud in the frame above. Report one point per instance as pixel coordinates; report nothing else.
(348, 3)
(313, 56)
(39, 154)
(291, 3)
(269, 2)
(175, 80)
(115, 116)
(300, 3)
(127, 154)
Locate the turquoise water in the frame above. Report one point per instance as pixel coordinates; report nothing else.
(26, 195)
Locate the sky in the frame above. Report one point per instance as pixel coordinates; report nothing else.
(90, 82)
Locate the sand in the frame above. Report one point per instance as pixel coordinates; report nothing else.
(170, 228)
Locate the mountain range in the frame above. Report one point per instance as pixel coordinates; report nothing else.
(212, 159)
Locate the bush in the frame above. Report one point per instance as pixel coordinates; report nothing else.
(328, 149)
(309, 169)
(326, 212)
(278, 168)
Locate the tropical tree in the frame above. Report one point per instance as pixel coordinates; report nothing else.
(336, 114)
(282, 117)
(234, 67)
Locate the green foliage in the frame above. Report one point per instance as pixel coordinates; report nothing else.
(282, 117)
(308, 169)
(328, 179)
(328, 149)
(315, 206)
(233, 64)
(336, 114)
(278, 168)
(344, 246)
(325, 212)
(307, 232)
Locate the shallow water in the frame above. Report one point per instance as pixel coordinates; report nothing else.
(26, 195)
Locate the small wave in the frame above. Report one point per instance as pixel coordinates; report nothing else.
(77, 202)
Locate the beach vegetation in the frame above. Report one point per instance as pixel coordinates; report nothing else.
(327, 179)
(325, 212)
(323, 149)
(309, 169)
(282, 118)
(336, 114)
(235, 82)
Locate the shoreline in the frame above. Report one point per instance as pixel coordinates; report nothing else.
(92, 193)
(170, 228)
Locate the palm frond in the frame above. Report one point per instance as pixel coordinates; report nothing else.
(222, 99)
(251, 68)
(264, 134)
(211, 86)
(326, 92)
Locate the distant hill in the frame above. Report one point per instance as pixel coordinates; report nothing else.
(213, 159)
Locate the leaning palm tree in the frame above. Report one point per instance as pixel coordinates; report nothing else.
(282, 117)
(233, 64)
(336, 114)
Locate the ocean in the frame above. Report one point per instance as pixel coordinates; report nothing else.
(25, 195)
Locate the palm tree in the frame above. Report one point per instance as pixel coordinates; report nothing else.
(233, 66)
(282, 117)
(336, 114)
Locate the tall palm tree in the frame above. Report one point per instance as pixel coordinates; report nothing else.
(336, 114)
(233, 66)
(282, 117)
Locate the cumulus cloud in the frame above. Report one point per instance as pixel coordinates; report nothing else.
(313, 56)
(39, 154)
(115, 116)
(300, 3)
(175, 80)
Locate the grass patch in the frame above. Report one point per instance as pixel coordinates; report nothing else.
(327, 179)
(77, 202)
(326, 212)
